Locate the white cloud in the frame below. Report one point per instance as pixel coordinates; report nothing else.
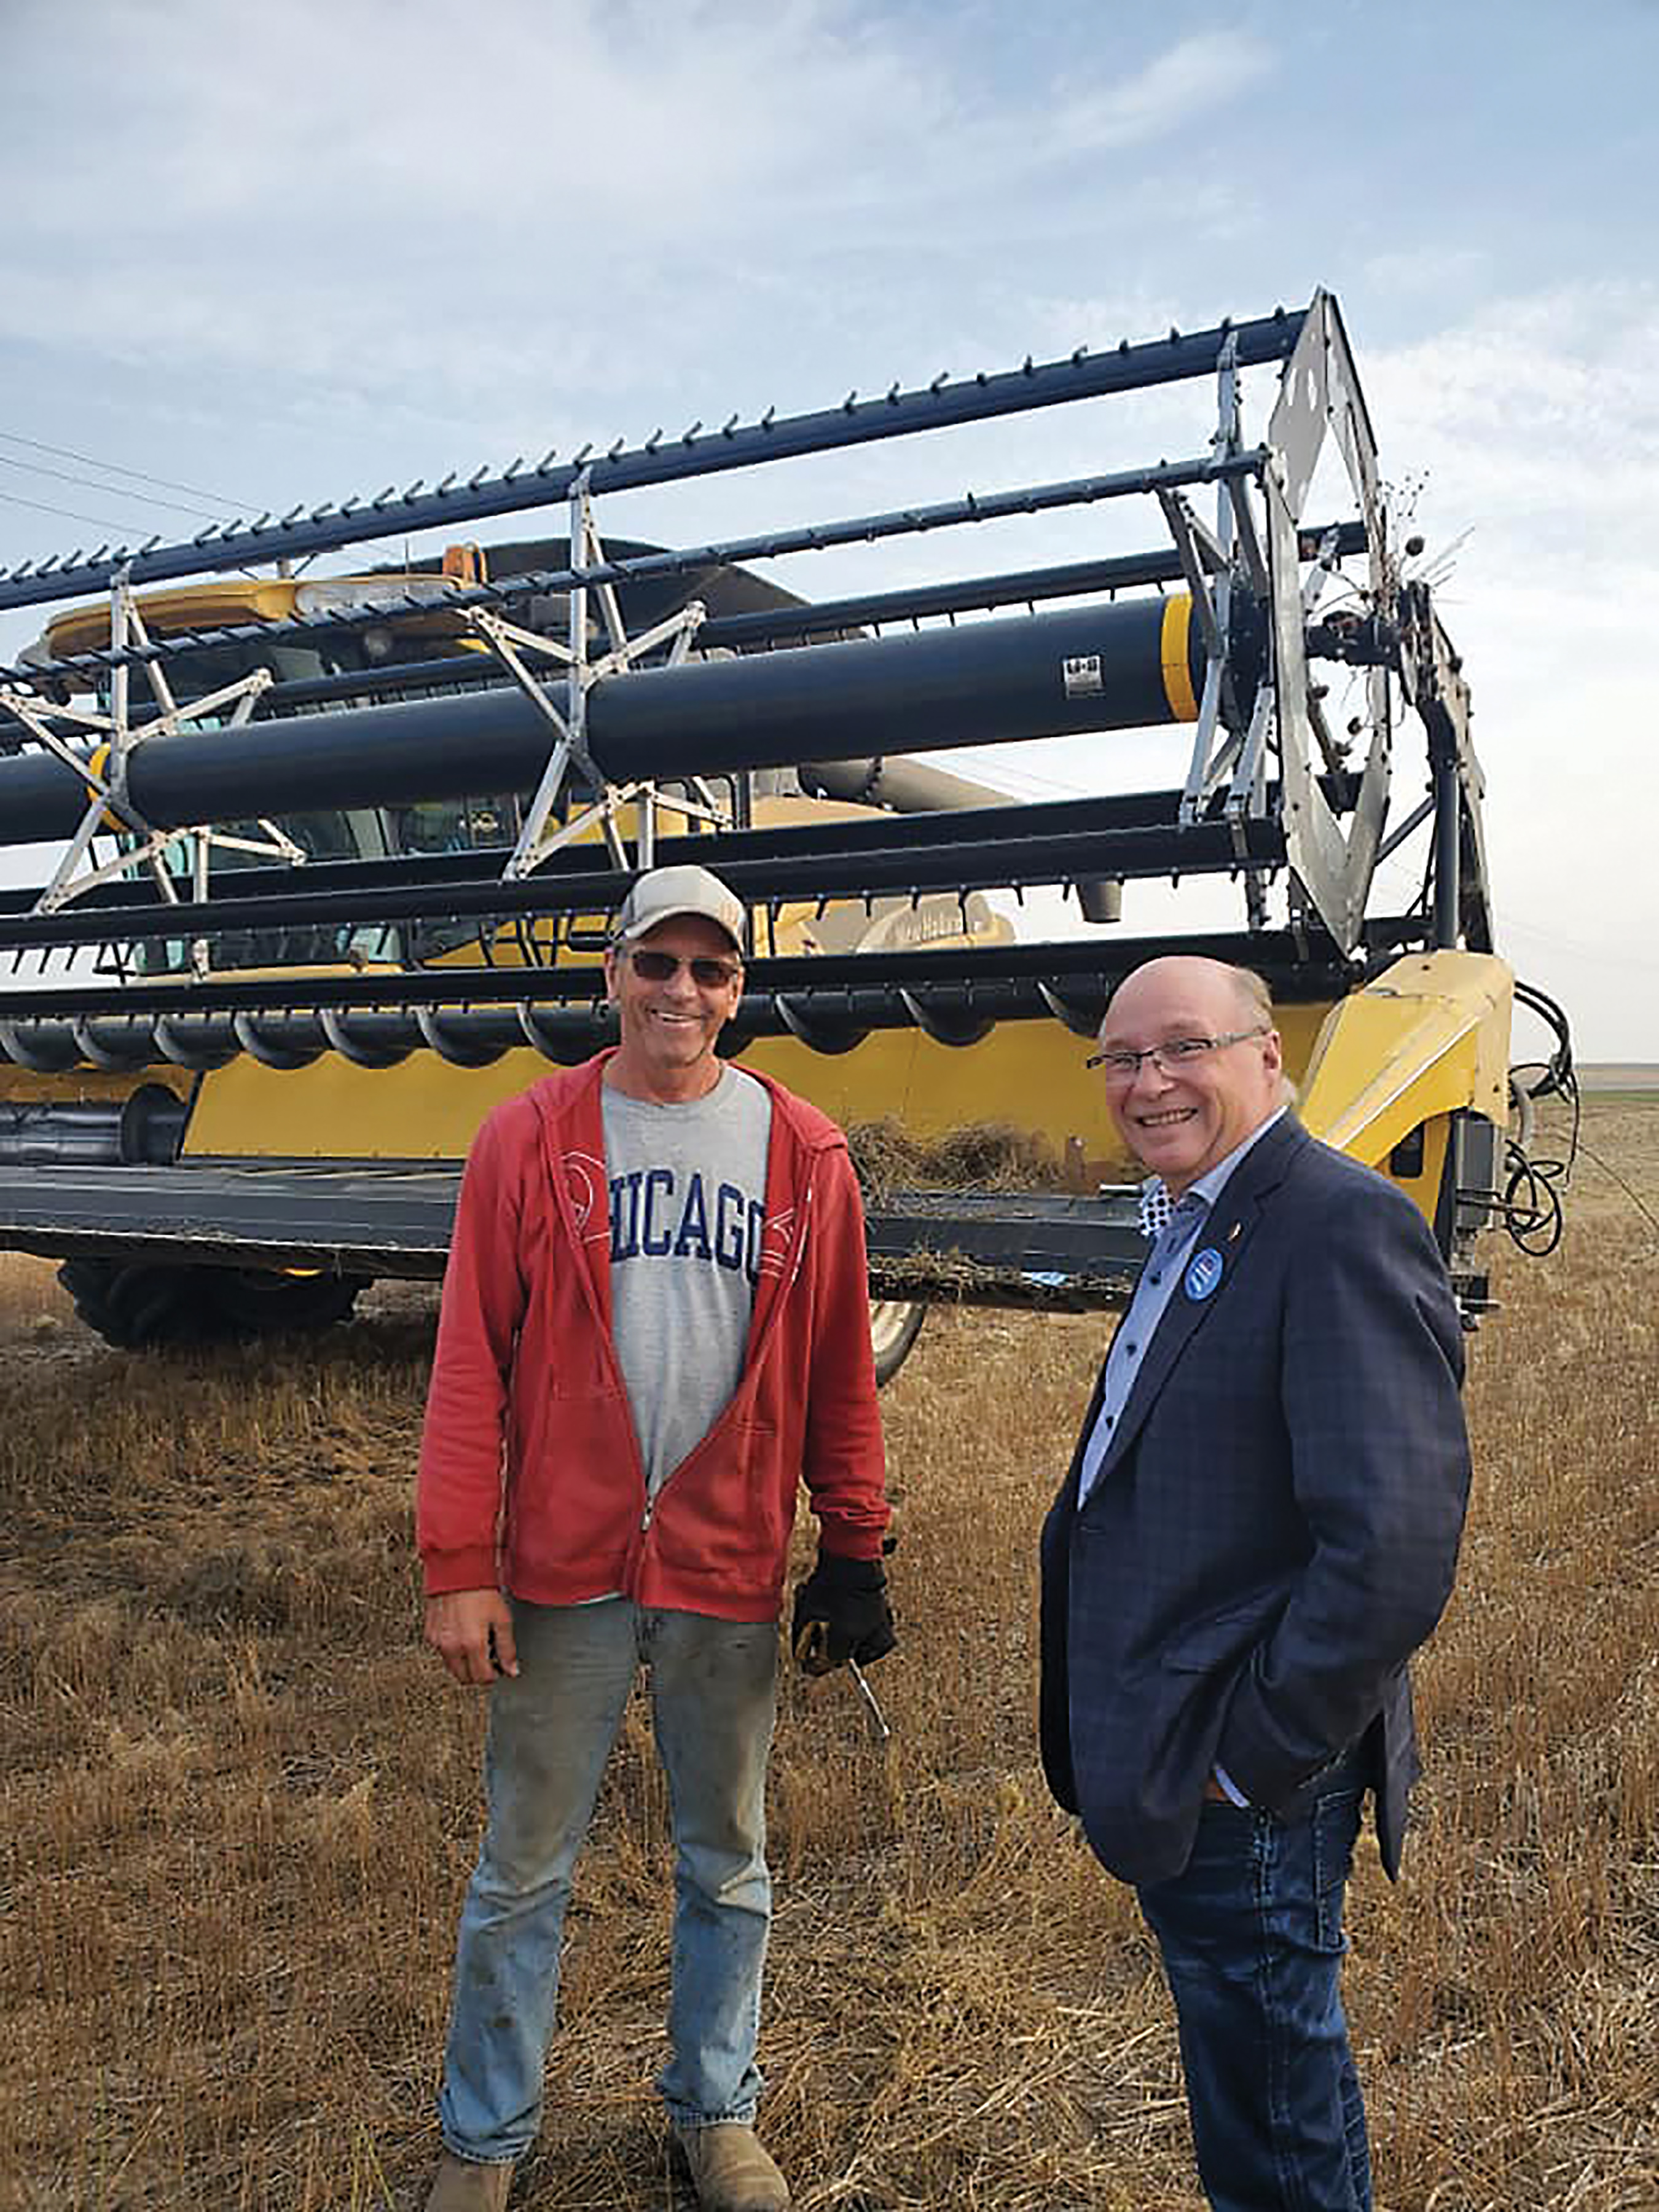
(1172, 93)
(1534, 411)
(358, 191)
(1533, 424)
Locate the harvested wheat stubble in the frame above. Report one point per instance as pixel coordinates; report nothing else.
(238, 1803)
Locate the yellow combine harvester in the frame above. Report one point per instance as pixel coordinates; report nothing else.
(338, 854)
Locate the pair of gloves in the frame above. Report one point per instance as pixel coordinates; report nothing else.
(842, 1612)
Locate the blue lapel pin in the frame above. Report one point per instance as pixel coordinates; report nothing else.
(1203, 1273)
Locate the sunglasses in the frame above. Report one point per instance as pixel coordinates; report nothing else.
(707, 974)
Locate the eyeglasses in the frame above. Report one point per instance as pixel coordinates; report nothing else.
(1120, 1064)
(707, 974)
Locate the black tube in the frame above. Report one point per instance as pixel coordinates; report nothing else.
(96, 1132)
(780, 619)
(1093, 668)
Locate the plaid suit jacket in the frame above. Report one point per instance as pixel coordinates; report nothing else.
(1275, 1530)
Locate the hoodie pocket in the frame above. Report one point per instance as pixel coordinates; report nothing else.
(724, 1511)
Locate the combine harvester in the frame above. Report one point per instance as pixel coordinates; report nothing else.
(338, 854)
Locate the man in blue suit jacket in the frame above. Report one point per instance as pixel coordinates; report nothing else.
(1260, 1525)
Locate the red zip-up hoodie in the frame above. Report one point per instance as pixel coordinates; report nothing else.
(530, 1478)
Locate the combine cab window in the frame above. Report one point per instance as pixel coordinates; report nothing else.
(459, 825)
(455, 825)
(334, 836)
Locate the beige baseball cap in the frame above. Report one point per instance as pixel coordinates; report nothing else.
(664, 894)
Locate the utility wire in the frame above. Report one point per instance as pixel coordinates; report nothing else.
(215, 500)
(140, 531)
(1624, 956)
(1612, 1172)
(92, 484)
(71, 513)
(117, 468)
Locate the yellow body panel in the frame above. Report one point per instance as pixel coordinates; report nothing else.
(1027, 1075)
(207, 606)
(192, 606)
(1428, 1036)
(86, 1085)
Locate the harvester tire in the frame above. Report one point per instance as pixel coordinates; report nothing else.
(139, 1306)
(894, 1324)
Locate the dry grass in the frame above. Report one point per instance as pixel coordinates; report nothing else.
(240, 1805)
(985, 1155)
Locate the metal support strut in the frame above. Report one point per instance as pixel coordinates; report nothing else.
(110, 811)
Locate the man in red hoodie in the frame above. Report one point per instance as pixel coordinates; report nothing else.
(655, 1324)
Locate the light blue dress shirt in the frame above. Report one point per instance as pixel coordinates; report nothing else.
(1152, 1294)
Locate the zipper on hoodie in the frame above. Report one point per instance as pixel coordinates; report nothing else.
(773, 1322)
(796, 1261)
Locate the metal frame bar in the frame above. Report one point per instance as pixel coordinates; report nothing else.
(988, 854)
(968, 974)
(768, 545)
(786, 623)
(106, 774)
(1219, 706)
(1432, 677)
(893, 413)
(570, 751)
(1227, 817)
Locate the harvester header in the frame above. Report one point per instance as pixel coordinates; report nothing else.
(338, 853)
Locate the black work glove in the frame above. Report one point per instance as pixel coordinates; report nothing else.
(842, 1612)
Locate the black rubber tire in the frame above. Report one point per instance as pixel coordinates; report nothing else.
(895, 1325)
(259, 1303)
(141, 1305)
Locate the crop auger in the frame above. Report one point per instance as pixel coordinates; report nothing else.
(338, 855)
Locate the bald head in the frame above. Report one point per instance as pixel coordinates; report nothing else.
(1182, 1114)
(1232, 998)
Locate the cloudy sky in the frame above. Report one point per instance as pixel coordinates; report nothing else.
(255, 257)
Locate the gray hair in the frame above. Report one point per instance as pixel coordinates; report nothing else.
(1253, 995)
(1255, 1000)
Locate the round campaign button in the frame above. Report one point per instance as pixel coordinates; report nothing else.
(1203, 1273)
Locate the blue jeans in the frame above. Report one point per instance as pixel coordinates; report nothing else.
(712, 1694)
(1251, 1935)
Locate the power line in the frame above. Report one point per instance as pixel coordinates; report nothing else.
(117, 468)
(73, 514)
(1619, 956)
(139, 476)
(141, 530)
(64, 476)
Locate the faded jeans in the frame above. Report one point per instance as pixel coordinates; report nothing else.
(712, 1694)
(1251, 1935)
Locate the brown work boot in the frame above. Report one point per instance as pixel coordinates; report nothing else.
(729, 2170)
(461, 2185)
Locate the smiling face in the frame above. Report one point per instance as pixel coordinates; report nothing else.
(669, 1028)
(1181, 1122)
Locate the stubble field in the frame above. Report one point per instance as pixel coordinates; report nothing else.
(238, 1803)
